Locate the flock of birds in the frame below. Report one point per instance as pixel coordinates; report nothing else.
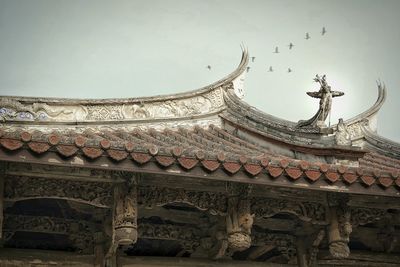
(276, 51)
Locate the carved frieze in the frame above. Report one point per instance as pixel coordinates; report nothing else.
(307, 211)
(103, 112)
(285, 243)
(188, 236)
(362, 216)
(79, 232)
(208, 102)
(20, 187)
(11, 109)
(215, 203)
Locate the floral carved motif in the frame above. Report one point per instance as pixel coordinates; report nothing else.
(362, 216)
(103, 112)
(208, 102)
(306, 211)
(215, 203)
(79, 232)
(189, 237)
(21, 187)
(285, 243)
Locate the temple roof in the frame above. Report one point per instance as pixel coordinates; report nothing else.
(210, 132)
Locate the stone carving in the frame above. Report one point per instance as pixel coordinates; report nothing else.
(215, 203)
(189, 237)
(325, 104)
(342, 135)
(21, 187)
(103, 112)
(135, 111)
(208, 102)
(306, 211)
(211, 101)
(355, 130)
(79, 232)
(11, 109)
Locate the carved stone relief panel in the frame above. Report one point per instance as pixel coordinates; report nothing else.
(208, 102)
(13, 110)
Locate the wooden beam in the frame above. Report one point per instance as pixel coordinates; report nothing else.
(177, 216)
(360, 258)
(259, 251)
(105, 163)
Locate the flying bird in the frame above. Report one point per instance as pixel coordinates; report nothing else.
(289, 70)
(247, 69)
(270, 69)
(209, 67)
(276, 50)
(307, 36)
(291, 45)
(323, 31)
(252, 59)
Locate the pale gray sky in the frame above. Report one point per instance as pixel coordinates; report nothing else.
(112, 49)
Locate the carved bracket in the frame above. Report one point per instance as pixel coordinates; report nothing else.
(340, 226)
(239, 221)
(125, 212)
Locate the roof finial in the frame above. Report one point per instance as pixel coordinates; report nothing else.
(325, 95)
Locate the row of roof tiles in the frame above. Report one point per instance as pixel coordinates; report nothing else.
(210, 149)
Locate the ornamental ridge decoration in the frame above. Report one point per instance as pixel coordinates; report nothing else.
(208, 102)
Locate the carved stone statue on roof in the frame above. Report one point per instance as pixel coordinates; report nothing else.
(325, 95)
